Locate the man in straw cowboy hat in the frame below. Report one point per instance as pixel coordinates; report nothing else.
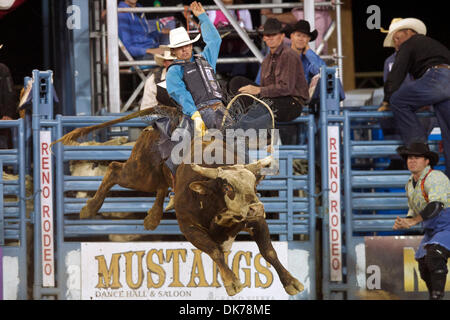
(428, 61)
(429, 202)
(191, 79)
(155, 86)
(388, 124)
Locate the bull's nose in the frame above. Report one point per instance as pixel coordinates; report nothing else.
(256, 210)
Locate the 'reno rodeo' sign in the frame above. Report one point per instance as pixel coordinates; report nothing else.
(174, 270)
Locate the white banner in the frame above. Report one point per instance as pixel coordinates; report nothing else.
(47, 248)
(176, 271)
(334, 203)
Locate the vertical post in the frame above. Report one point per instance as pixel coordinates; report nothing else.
(42, 95)
(113, 57)
(309, 14)
(323, 122)
(82, 61)
(277, 10)
(329, 103)
(45, 33)
(23, 270)
(339, 40)
(311, 193)
(59, 205)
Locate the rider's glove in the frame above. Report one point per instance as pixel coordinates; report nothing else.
(199, 125)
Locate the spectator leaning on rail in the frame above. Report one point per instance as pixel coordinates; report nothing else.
(428, 201)
(427, 61)
(139, 35)
(283, 83)
(388, 124)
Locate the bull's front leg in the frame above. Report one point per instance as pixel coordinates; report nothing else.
(260, 233)
(201, 239)
(155, 213)
(109, 180)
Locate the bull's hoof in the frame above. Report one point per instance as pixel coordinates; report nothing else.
(234, 288)
(294, 287)
(85, 213)
(152, 219)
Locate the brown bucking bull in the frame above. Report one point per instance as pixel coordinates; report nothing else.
(213, 203)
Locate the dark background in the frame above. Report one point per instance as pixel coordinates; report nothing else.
(21, 32)
(368, 44)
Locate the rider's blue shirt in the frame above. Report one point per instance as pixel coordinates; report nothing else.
(175, 84)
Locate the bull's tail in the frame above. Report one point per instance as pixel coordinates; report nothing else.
(74, 135)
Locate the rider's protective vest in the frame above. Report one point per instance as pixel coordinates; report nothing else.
(200, 81)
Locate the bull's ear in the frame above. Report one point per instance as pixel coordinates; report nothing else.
(201, 187)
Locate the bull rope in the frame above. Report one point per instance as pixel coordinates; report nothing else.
(260, 101)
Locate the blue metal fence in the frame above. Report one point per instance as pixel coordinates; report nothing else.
(367, 192)
(291, 216)
(13, 215)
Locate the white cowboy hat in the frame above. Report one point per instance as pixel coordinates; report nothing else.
(159, 58)
(408, 23)
(179, 37)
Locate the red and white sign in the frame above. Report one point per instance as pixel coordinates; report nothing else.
(47, 248)
(334, 204)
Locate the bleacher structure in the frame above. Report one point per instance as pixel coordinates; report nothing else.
(298, 203)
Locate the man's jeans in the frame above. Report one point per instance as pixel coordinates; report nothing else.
(433, 88)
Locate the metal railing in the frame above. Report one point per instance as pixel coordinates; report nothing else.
(112, 38)
(13, 213)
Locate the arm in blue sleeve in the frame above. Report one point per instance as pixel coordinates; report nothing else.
(177, 90)
(212, 39)
(126, 35)
(315, 62)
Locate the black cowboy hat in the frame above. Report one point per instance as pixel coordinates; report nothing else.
(272, 26)
(418, 149)
(304, 27)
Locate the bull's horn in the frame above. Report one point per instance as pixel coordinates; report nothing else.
(211, 173)
(258, 165)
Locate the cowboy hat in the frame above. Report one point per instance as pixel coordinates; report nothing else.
(272, 26)
(418, 149)
(400, 24)
(159, 58)
(303, 26)
(383, 30)
(179, 37)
